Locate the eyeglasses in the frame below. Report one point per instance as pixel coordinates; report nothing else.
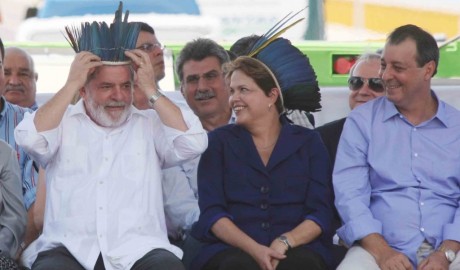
(149, 47)
(375, 84)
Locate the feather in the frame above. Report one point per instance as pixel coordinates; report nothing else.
(107, 41)
(71, 37)
(94, 43)
(292, 69)
(303, 97)
(272, 38)
(294, 73)
(278, 29)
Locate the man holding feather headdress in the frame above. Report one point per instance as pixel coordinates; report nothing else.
(104, 157)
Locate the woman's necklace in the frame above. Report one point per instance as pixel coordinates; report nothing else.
(266, 147)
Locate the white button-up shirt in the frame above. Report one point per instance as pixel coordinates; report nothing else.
(104, 191)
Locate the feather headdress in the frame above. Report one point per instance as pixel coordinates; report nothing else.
(290, 66)
(107, 42)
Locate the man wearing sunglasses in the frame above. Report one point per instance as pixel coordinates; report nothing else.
(364, 84)
(397, 174)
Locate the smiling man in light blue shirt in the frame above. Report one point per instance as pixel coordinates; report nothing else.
(397, 172)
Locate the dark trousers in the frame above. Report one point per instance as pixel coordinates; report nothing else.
(190, 246)
(60, 258)
(299, 258)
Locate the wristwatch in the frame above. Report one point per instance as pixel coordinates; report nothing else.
(158, 94)
(449, 253)
(284, 240)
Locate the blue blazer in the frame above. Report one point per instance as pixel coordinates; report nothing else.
(263, 201)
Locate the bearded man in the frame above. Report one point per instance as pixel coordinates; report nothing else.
(103, 159)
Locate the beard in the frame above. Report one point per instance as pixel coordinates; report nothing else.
(101, 117)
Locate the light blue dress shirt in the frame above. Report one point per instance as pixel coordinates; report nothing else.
(10, 116)
(399, 180)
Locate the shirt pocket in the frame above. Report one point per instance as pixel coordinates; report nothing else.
(135, 163)
(74, 159)
(73, 166)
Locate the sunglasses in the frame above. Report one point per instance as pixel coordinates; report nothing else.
(375, 84)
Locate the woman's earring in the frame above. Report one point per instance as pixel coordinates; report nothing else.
(270, 107)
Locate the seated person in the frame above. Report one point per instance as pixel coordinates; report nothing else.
(103, 160)
(263, 183)
(20, 78)
(397, 174)
(365, 85)
(12, 211)
(243, 46)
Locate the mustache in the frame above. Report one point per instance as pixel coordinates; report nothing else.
(200, 95)
(115, 104)
(10, 87)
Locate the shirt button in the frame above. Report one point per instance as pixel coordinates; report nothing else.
(100, 235)
(101, 182)
(422, 229)
(422, 203)
(265, 225)
(415, 154)
(106, 159)
(100, 207)
(264, 189)
(263, 206)
(415, 129)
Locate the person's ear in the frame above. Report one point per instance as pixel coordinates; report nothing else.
(430, 67)
(274, 92)
(83, 92)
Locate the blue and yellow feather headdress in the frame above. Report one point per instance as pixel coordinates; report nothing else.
(290, 66)
(107, 42)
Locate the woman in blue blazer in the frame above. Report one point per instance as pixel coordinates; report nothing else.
(263, 183)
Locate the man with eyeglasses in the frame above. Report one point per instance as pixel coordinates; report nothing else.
(397, 175)
(364, 84)
(148, 42)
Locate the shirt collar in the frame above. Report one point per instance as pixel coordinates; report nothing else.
(441, 113)
(3, 105)
(232, 119)
(390, 110)
(34, 106)
(78, 108)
